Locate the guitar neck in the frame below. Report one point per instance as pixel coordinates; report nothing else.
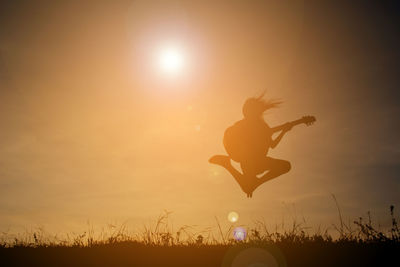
(297, 122)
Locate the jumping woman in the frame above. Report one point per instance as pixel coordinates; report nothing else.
(248, 142)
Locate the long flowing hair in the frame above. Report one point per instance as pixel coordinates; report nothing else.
(255, 107)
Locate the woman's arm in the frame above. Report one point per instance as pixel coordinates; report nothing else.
(284, 128)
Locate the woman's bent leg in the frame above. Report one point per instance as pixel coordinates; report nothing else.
(276, 168)
(241, 179)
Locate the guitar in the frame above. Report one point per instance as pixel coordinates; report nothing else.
(240, 141)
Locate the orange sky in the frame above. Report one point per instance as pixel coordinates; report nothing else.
(91, 130)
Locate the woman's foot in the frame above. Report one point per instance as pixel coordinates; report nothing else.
(247, 183)
(221, 160)
(250, 184)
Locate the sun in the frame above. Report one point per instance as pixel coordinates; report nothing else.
(171, 60)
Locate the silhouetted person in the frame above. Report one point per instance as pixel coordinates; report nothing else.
(248, 142)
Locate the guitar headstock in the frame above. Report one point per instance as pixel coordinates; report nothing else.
(308, 120)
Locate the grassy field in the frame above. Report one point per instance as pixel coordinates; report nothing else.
(358, 244)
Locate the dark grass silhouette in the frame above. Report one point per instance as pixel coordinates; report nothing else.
(357, 244)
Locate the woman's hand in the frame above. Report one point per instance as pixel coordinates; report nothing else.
(287, 127)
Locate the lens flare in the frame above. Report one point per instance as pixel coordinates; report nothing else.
(239, 233)
(233, 217)
(267, 255)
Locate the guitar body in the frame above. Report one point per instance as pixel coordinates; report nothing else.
(247, 140)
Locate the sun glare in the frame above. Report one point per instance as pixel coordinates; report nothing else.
(171, 60)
